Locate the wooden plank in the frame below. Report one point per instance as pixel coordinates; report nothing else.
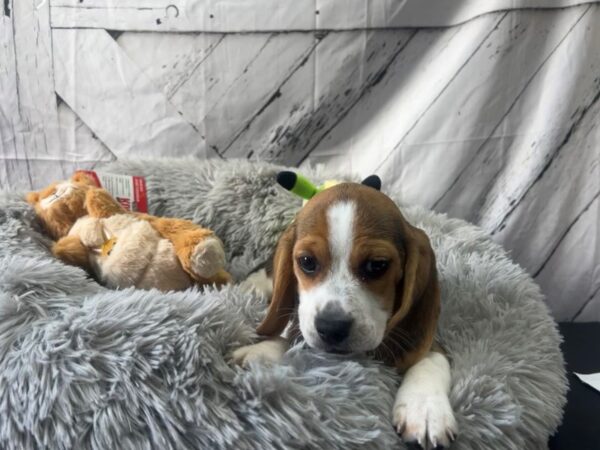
(24, 175)
(590, 312)
(202, 89)
(184, 15)
(169, 59)
(568, 185)
(9, 106)
(119, 103)
(233, 97)
(256, 65)
(276, 15)
(570, 286)
(415, 79)
(465, 116)
(547, 133)
(427, 13)
(78, 142)
(38, 127)
(358, 14)
(492, 182)
(347, 65)
(293, 92)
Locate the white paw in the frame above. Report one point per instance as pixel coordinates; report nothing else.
(258, 282)
(270, 352)
(90, 232)
(425, 418)
(208, 257)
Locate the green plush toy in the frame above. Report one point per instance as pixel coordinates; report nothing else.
(305, 189)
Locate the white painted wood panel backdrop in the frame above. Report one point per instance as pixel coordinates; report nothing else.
(484, 110)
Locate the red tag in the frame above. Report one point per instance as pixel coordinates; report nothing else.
(129, 191)
(139, 192)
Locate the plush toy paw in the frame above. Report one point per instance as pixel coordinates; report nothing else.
(208, 257)
(90, 231)
(258, 282)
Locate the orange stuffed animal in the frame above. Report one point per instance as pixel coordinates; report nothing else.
(121, 248)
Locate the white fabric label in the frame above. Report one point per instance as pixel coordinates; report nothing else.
(129, 191)
(593, 379)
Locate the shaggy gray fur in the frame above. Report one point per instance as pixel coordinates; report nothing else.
(85, 367)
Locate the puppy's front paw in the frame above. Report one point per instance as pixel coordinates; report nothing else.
(269, 352)
(208, 257)
(424, 418)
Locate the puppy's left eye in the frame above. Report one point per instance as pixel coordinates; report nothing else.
(308, 264)
(374, 268)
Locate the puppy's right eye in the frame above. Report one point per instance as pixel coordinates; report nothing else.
(308, 264)
(374, 268)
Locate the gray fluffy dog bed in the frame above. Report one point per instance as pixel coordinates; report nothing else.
(85, 367)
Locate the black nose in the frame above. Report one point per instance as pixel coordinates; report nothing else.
(333, 327)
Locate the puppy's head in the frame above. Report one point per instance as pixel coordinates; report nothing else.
(359, 272)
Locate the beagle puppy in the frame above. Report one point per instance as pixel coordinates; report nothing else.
(351, 275)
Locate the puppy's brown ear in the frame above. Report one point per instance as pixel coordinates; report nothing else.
(417, 303)
(284, 287)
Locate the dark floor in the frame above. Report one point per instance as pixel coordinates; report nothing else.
(580, 429)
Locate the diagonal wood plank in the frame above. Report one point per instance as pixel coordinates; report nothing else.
(547, 134)
(169, 59)
(256, 64)
(569, 287)
(484, 190)
(38, 117)
(196, 97)
(348, 66)
(305, 107)
(78, 143)
(120, 104)
(413, 82)
(568, 186)
(217, 101)
(292, 95)
(509, 59)
(236, 101)
(590, 311)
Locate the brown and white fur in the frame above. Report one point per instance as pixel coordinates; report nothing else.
(352, 275)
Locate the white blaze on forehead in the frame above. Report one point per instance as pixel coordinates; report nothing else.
(342, 287)
(340, 220)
